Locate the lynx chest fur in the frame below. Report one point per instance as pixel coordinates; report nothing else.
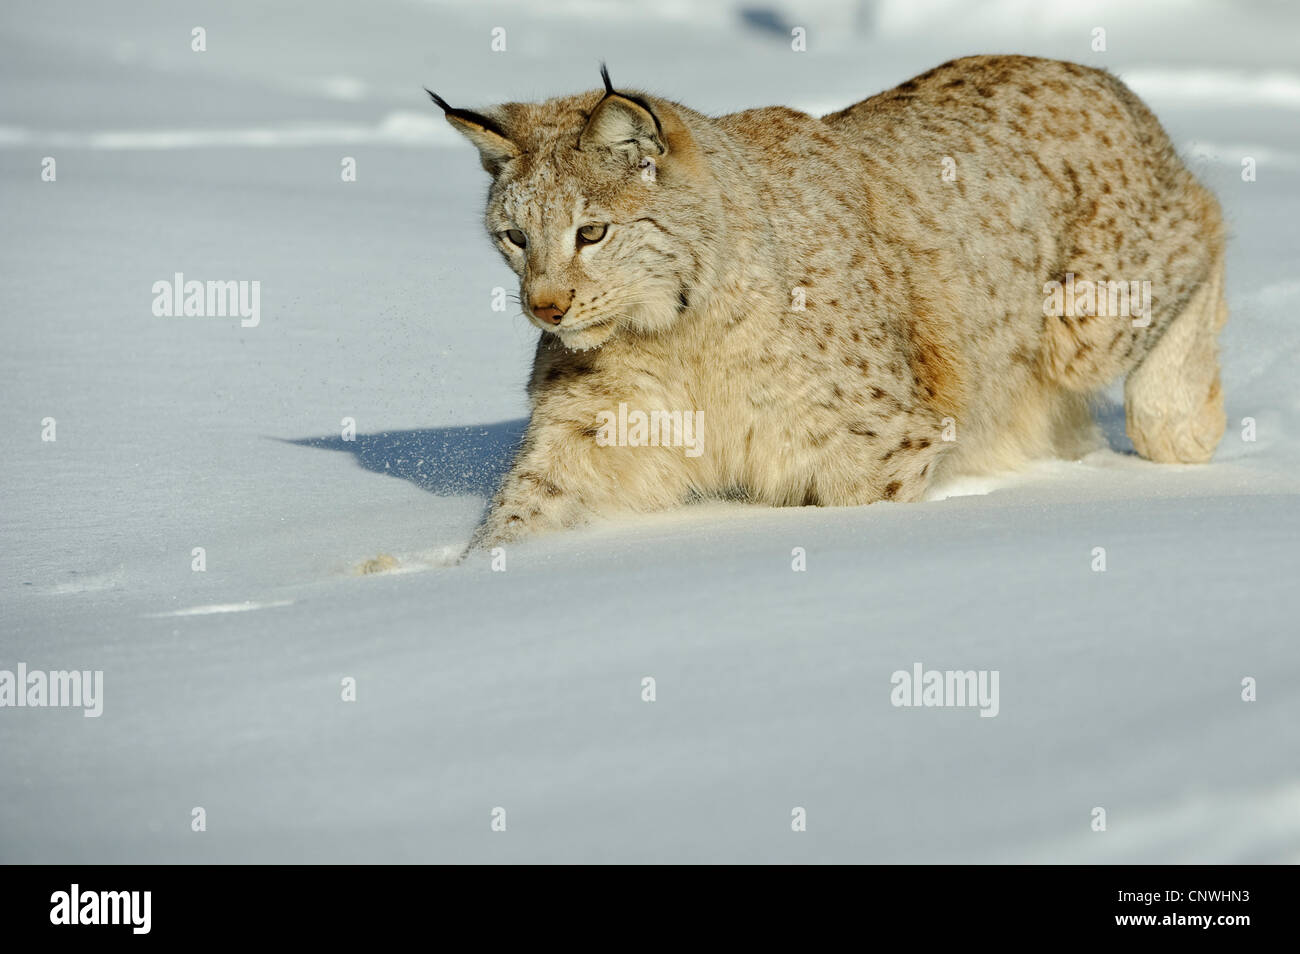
(840, 310)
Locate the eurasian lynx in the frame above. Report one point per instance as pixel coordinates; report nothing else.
(843, 310)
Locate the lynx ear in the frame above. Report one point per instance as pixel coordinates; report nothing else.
(624, 124)
(495, 148)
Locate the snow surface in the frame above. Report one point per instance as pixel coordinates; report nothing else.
(478, 689)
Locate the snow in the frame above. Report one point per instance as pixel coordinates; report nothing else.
(522, 689)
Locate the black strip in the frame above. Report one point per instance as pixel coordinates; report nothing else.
(296, 904)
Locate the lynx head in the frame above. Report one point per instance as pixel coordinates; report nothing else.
(596, 204)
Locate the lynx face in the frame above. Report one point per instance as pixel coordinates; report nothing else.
(590, 260)
(581, 210)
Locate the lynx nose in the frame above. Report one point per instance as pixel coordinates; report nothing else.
(551, 313)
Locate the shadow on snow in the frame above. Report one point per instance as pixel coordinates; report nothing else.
(448, 461)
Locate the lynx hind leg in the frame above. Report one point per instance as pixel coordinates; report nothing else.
(1172, 401)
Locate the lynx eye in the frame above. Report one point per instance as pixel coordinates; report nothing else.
(516, 237)
(591, 234)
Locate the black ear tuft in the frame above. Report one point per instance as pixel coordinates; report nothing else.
(466, 116)
(446, 106)
(604, 74)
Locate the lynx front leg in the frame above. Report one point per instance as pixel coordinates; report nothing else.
(531, 501)
(563, 478)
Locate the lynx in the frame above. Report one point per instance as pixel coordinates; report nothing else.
(854, 307)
